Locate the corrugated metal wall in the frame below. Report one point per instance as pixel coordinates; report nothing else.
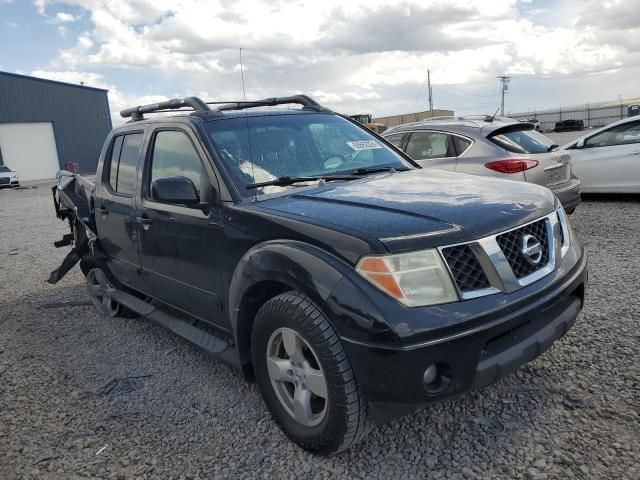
(80, 115)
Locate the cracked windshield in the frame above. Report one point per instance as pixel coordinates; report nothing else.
(267, 148)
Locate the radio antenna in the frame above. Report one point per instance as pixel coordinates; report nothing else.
(244, 92)
(246, 117)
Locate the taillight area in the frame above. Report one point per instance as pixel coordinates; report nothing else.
(511, 165)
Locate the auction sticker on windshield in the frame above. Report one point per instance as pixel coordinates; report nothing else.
(364, 145)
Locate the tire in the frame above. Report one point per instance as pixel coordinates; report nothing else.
(331, 424)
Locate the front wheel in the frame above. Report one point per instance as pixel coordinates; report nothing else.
(305, 377)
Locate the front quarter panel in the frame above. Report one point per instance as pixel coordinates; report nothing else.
(300, 266)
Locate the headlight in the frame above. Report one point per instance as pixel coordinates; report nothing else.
(414, 279)
(567, 231)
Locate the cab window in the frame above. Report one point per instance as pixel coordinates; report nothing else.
(123, 163)
(174, 155)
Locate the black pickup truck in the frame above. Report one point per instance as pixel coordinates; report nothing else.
(305, 250)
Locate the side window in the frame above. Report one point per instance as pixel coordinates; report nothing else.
(619, 135)
(395, 139)
(461, 144)
(428, 145)
(113, 163)
(129, 157)
(174, 155)
(125, 154)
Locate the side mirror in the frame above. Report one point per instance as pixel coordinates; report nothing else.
(179, 190)
(580, 143)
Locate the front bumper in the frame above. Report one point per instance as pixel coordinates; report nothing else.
(393, 377)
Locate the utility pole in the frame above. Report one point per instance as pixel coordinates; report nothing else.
(430, 93)
(505, 87)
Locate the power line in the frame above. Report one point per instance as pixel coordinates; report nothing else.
(419, 93)
(470, 93)
(456, 96)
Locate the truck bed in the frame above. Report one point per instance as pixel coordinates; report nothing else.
(73, 202)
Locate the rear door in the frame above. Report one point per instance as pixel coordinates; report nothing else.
(432, 149)
(115, 206)
(180, 244)
(610, 160)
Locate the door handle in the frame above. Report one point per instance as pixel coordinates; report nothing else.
(145, 221)
(635, 153)
(103, 210)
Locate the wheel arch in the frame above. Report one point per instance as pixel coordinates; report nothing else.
(270, 269)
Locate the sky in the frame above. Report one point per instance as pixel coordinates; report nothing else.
(360, 56)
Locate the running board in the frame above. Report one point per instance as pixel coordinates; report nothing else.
(209, 342)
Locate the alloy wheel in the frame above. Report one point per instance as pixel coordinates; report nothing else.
(297, 377)
(99, 288)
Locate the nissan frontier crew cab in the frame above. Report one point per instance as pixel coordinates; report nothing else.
(305, 250)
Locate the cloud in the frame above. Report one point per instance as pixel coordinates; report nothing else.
(396, 27)
(361, 52)
(64, 17)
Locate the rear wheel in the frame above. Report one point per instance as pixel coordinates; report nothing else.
(305, 376)
(99, 288)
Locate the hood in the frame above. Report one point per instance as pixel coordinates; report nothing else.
(419, 208)
(7, 174)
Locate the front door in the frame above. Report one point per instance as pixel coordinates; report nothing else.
(610, 160)
(115, 207)
(180, 244)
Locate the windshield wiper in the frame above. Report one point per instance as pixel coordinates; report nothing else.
(552, 147)
(286, 180)
(368, 170)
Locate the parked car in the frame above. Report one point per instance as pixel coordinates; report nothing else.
(304, 250)
(607, 159)
(8, 178)
(533, 121)
(491, 147)
(569, 126)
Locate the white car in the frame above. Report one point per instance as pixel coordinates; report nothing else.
(8, 178)
(607, 160)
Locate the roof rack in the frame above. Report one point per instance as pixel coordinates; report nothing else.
(136, 113)
(304, 100)
(197, 105)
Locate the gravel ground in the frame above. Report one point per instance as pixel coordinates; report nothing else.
(83, 396)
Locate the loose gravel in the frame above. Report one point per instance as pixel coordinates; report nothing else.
(86, 397)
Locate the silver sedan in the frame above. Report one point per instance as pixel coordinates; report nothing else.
(607, 160)
(493, 147)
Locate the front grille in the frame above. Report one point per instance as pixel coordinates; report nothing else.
(511, 244)
(465, 268)
(4, 180)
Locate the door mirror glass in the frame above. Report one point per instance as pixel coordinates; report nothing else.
(179, 190)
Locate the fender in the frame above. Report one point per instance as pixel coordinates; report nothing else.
(300, 266)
